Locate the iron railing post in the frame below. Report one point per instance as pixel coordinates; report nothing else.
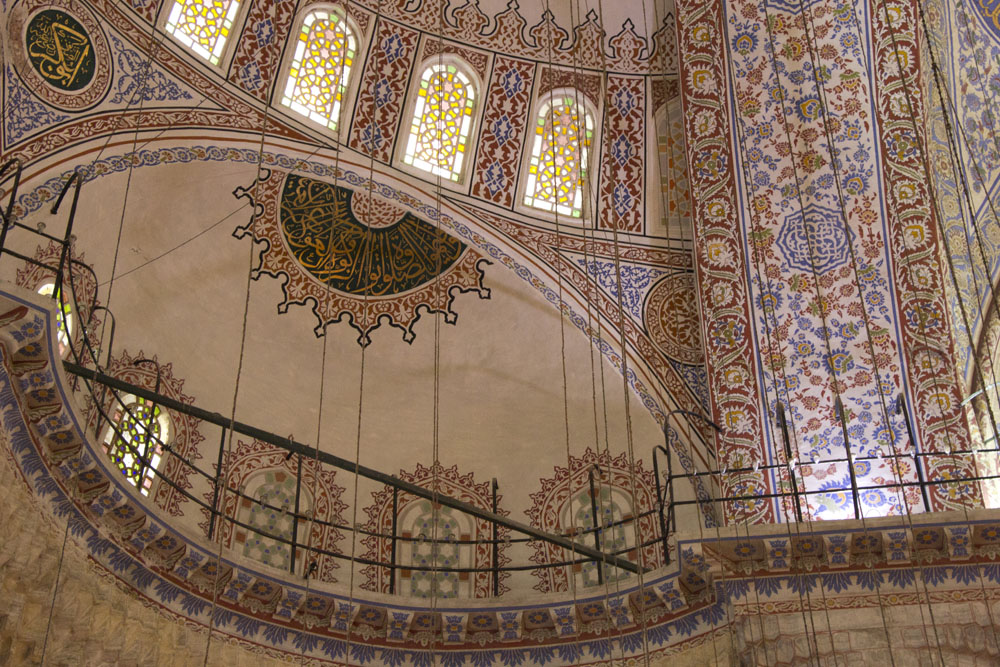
(496, 544)
(783, 425)
(392, 548)
(215, 484)
(838, 407)
(597, 525)
(295, 514)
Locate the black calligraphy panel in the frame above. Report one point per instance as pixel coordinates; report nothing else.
(60, 50)
(341, 251)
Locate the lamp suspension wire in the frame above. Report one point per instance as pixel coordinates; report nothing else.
(364, 338)
(600, 508)
(922, 334)
(691, 433)
(921, 145)
(775, 348)
(309, 558)
(626, 391)
(440, 6)
(581, 128)
(835, 382)
(227, 462)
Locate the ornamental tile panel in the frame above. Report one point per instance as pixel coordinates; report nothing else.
(382, 91)
(501, 138)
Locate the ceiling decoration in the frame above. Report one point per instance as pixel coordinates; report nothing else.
(671, 314)
(60, 51)
(187, 434)
(447, 481)
(356, 256)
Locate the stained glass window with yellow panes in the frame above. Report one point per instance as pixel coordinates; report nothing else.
(203, 25)
(442, 121)
(135, 440)
(558, 164)
(321, 63)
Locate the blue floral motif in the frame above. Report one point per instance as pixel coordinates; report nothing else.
(900, 578)
(502, 129)
(965, 574)
(363, 653)
(393, 657)
(570, 653)
(495, 178)
(136, 76)
(816, 243)
(512, 657)
(334, 648)
(836, 581)
(247, 626)
(869, 580)
(512, 82)
(541, 655)
(25, 113)
(635, 280)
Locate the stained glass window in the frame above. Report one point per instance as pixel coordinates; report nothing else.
(612, 534)
(675, 194)
(321, 64)
(442, 121)
(558, 165)
(64, 317)
(436, 545)
(271, 516)
(203, 25)
(135, 442)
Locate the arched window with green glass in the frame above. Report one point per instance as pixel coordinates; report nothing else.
(203, 26)
(64, 315)
(135, 439)
(320, 68)
(441, 124)
(560, 143)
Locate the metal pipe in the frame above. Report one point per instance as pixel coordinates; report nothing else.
(215, 484)
(13, 196)
(659, 502)
(67, 239)
(496, 545)
(902, 411)
(597, 522)
(838, 407)
(349, 465)
(295, 516)
(783, 425)
(392, 551)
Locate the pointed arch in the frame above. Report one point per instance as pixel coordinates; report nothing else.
(318, 72)
(203, 26)
(559, 157)
(442, 120)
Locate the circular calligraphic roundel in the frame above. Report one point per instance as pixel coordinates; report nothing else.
(671, 315)
(60, 52)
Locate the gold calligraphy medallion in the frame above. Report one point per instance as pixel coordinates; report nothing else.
(60, 50)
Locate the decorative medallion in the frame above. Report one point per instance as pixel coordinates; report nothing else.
(356, 255)
(671, 316)
(814, 239)
(60, 52)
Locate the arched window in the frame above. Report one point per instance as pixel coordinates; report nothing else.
(203, 25)
(271, 515)
(442, 121)
(320, 67)
(435, 534)
(564, 129)
(612, 511)
(135, 440)
(675, 193)
(64, 316)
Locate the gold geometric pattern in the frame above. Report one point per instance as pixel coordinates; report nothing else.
(558, 165)
(321, 65)
(203, 25)
(442, 120)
